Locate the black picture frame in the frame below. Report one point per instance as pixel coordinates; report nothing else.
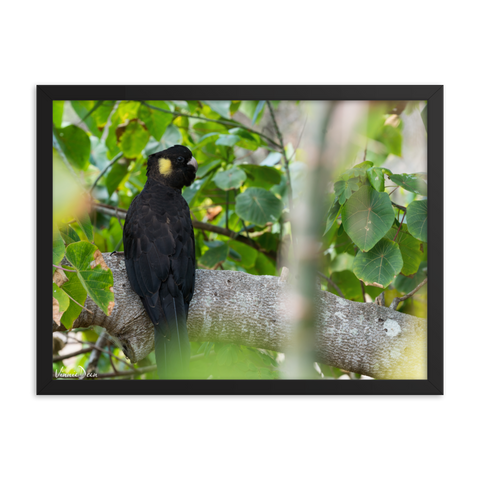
(431, 93)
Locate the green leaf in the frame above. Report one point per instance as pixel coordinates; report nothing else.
(268, 241)
(86, 225)
(391, 137)
(94, 113)
(220, 106)
(75, 144)
(264, 265)
(409, 247)
(406, 284)
(214, 255)
(258, 206)
(62, 298)
(261, 175)
(248, 107)
(97, 281)
(367, 216)
(345, 188)
(417, 219)
(69, 235)
(208, 167)
(75, 289)
(227, 140)
(259, 108)
(411, 183)
(348, 283)
(376, 178)
(272, 159)
(134, 139)
(128, 110)
(203, 128)
(116, 175)
(57, 106)
(248, 254)
(343, 261)
(332, 214)
(229, 179)
(156, 121)
(380, 265)
(194, 191)
(58, 247)
(364, 165)
(248, 140)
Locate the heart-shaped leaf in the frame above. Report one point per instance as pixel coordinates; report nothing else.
(75, 289)
(214, 255)
(410, 249)
(411, 183)
(367, 216)
(260, 176)
(156, 121)
(75, 144)
(61, 302)
(380, 265)
(93, 273)
(258, 206)
(417, 219)
(229, 179)
(58, 247)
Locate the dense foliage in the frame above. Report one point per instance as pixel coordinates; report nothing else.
(240, 202)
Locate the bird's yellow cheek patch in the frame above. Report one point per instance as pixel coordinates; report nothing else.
(165, 166)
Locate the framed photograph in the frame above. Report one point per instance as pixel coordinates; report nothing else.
(240, 239)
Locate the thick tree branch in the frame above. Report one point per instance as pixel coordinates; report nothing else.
(256, 311)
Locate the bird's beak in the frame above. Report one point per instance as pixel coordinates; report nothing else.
(194, 164)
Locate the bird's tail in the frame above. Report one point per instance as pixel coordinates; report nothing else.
(172, 347)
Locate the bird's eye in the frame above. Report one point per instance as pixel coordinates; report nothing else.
(181, 159)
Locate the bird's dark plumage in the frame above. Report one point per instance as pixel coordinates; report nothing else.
(160, 255)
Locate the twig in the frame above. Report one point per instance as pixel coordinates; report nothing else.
(394, 190)
(97, 351)
(113, 162)
(245, 229)
(93, 345)
(380, 300)
(79, 304)
(403, 218)
(109, 210)
(226, 212)
(397, 300)
(403, 209)
(332, 283)
(285, 164)
(61, 268)
(363, 292)
(127, 373)
(221, 122)
(60, 358)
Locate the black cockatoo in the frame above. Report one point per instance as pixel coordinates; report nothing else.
(160, 255)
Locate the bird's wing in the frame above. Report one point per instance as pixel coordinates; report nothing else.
(160, 256)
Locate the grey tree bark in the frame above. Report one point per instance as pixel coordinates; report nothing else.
(251, 310)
